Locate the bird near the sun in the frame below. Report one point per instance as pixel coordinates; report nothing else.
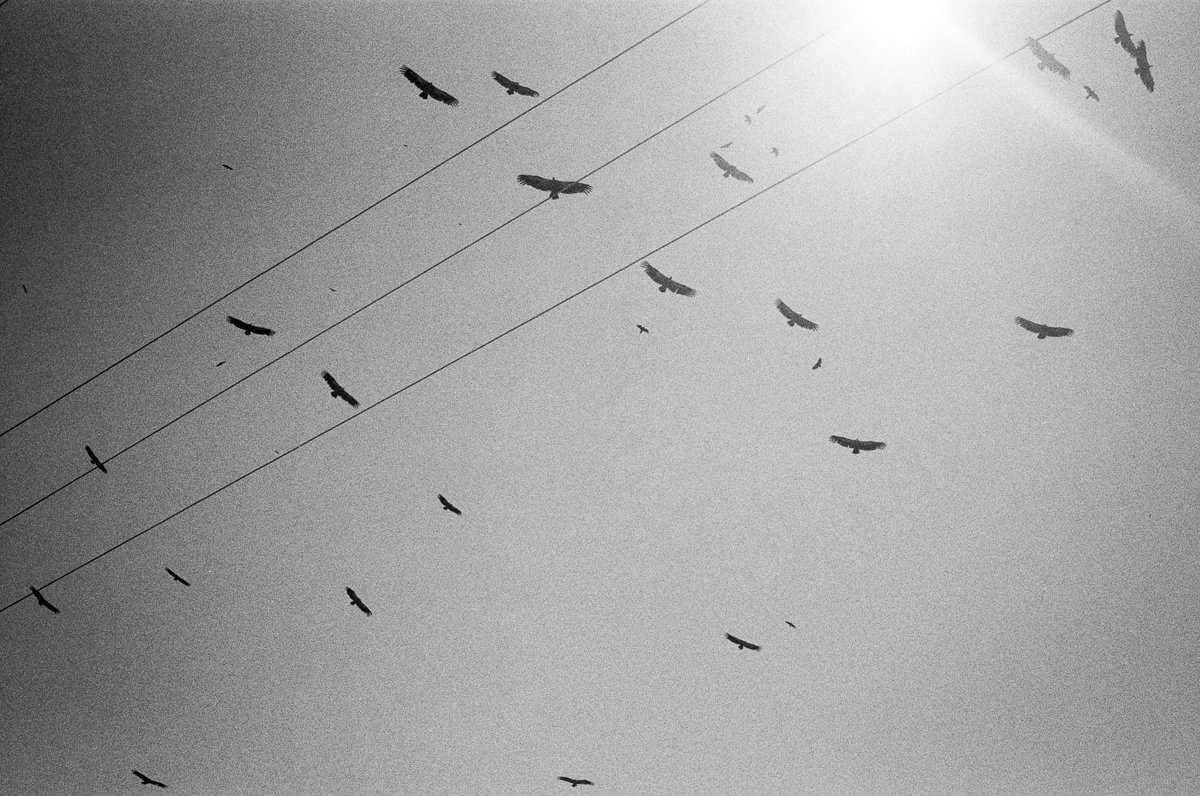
(174, 575)
(741, 644)
(1042, 330)
(448, 506)
(794, 318)
(857, 444)
(250, 328)
(338, 391)
(555, 187)
(1046, 59)
(1123, 38)
(146, 780)
(642, 329)
(42, 601)
(1091, 94)
(666, 283)
(814, 367)
(513, 86)
(729, 169)
(356, 602)
(427, 88)
(575, 782)
(95, 459)
(1143, 66)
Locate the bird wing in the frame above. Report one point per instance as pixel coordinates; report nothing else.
(574, 187)
(654, 273)
(330, 380)
(1143, 66)
(347, 397)
(720, 161)
(416, 79)
(738, 174)
(680, 289)
(1041, 52)
(534, 181)
(872, 446)
(504, 81)
(787, 311)
(1058, 331)
(845, 442)
(238, 323)
(1036, 328)
(145, 779)
(441, 96)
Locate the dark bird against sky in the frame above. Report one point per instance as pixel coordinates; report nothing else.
(555, 187)
(146, 780)
(1143, 66)
(742, 645)
(1046, 59)
(748, 118)
(42, 601)
(172, 573)
(448, 506)
(729, 169)
(775, 151)
(1123, 38)
(427, 88)
(513, 86)
(1091, 94)
(814, 367)
(666, 283)
(642, 329)
(1042, 330)
(575, 782)
(857, 444)
(760, 108)
(355, 601)
(250, 328)
(226, 165)
(337, 390)
(725, 146)
(790, 624)
(95, 459)
(794, 318)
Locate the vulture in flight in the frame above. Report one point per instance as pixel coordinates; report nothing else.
(355, 601)
(95, 459)
(1091, 94)
(814, 367)
(513, 86)
(427, 88)
(642, 329)
(857, 444)
(1123, 38)
(790, 624)
(337, 390)
(794, 318)
(42, 601)
(250, 328)
(666, 283)
(1046, 59)
(730, 170)
(555, 187)
(448, 506)
(146, 780)
(575, 782)
(1143, 67)
(172, 573)
(742, 645)
(1043, 331)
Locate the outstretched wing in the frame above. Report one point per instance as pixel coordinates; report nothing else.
(427, 87)
(1041, 328)
(245, 327)
(1041, 52)
(738, 174)
(534, 181)
(42, 600)
(95, 459)
(250, 328)
(448, 506)
(867, 445)
(720, 161)
(331, 381)
(742, 642)
(654, 273)
(794, 316)
(845, 442)
(1143, 66)
(574, 187)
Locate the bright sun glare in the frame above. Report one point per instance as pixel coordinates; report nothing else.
(898, 26)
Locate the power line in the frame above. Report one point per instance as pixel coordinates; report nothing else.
(352, 218)
(571, 297)
(419, 274)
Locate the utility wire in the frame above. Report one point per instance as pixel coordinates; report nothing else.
(419, 274)
(352, 218)
(563, 301)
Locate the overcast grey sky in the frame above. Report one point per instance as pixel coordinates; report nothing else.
(1004, 600)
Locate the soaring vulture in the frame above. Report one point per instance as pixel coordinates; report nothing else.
(42, 601)
(575, 782)
(748, 119)
(555, 187)
(1143, 67)
(729, 169)
(1042, 330)
(146, 780)
(814, 367)
(794, 318)
(742, 645)
(250, 328)
(666, 283)
(337, 390)
(95, 459)
(1091, 94)
(642, 329)
(448, 506)
(790, 624)
(427, 88)
(1123, 38)
(357, 602)
(513, 86)
(1046, 60)
(171, 572)
(857, 444)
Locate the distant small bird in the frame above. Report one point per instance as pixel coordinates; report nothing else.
(219, 364)
(249, 328)
(448, 506)
(146, 780)
(337, 390)
(1143, 67)
(95, 459)
(513, 86)
(226, 165)
(1042, 330)
(642, 329)
(666, 283)
(1123, 38)
(1091, 94)
(1046, 59)
(725, 146)
(427, 88)
(555, 187)
(742, 645)
(790, 624)
(25, 288)
(357, 602)
(814, 367)
(748, 119)
(857, 444)
(729, 169)
(575, 782)
(775, 151)
(794, 318)
(172, 573)
(42, 601)
(760, 109)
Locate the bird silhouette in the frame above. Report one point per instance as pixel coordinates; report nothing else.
(575, 782)
(1143, 66)
(857, 444)
(725, 146)
(219, 364)
(226, 165)
(666, 283)
(555, 187)
(172, 573)
(250, 328)
(355, 601)
(513, 86)
(95, 459)
(1123, 38)
(42, 601)
(337, 390)
(760, 109)
(814, 367)
(729, 169)
(794, 318)
(1042, 330)
(1046, 59)
(775, 151)
(1091, 94)
(790, 624)
(427, 88)
(25, 288)
(448, 506)
(642, 329)
(146, 780)
(748, 119)
(742, 645)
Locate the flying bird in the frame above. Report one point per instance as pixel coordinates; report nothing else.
(427, 88)
(555, 187)
(219, 364)
(814, 367)
(1043, 331)
(729, 169)
(790, 624)
(760, 109)
(1046, 59)
(857, 444)
(748, 119)
(337, 390)
(172, 573)
(1143, 67)
(25, 288)
(249, 328)
(794, 318)
(1123, 38)
(666, 283)
(642, 329)
(575, 782)
(226, 165)
(513, 86)
(775, 151)
(1091, 94)
(42, 601)
(725, 146)
(146, 780)
(357, 602)
(742, 645)
(448, 506)
(95, 459)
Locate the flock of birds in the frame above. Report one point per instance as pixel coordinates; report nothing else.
(1046, 59)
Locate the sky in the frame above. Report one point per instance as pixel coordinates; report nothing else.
(1003, 600)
